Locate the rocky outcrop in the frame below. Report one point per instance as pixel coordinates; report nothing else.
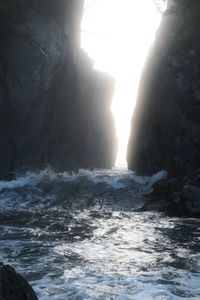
(54, 108)
(165, 131)
(13, 286)
(176, 196)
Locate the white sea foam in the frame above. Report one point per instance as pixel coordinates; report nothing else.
(20, 182)
(158, 176)
(132, 256)
(151, 180)
(124, 189)
(116, 179)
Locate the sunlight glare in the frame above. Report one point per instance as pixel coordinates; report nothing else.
(117, 35)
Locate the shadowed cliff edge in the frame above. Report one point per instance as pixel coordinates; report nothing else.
(54, 107)
(165, 131)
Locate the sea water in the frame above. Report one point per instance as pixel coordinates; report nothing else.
(79, 236)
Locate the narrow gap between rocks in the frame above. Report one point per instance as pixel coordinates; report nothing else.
(117, 35)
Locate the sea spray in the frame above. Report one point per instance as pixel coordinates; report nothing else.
(75, 236)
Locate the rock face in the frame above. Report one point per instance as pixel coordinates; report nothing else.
(54, 108)
(176, 196)
(191, 200)
(165, 130)
(13, 286)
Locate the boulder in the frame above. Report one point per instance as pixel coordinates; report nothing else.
(13, 286)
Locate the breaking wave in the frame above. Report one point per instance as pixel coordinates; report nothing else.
(77, 236)
(77, 190)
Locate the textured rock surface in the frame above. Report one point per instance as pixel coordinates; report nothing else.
(176, 196)
(13, 286)
(165, 130)
(54, 108)
(191, 200)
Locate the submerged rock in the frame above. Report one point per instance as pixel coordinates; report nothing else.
(13, 286)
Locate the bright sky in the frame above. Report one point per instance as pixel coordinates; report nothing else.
(117, 35)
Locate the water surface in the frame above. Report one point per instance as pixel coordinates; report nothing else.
(77, 237)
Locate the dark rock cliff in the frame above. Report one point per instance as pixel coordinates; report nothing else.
(165, 131)
(54, 108)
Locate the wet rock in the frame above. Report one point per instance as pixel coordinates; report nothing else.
(175, 196)
(164, 197)
(191, 200)
(13, 286)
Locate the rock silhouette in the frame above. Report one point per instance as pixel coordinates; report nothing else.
(13, 286)
(165, 133)
(54, 107)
